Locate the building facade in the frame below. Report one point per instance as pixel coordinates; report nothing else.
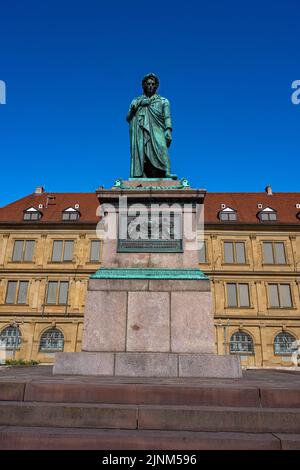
(251, 253)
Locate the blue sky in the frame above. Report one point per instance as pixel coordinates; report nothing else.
(72, 67)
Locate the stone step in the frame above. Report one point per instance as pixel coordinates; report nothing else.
(43, 438)
(213, 419)
(155, 394)
(68, 415)
(138, 394)
(151, 417)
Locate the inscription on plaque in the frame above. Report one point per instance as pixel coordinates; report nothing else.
(155, 233)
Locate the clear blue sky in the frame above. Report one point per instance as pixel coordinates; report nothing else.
(72, 68)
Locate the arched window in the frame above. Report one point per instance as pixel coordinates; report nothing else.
(283, 343)
(241, 342)
(10, 338)
(52, 340)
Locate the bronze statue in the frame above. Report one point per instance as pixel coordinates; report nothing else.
(150, 132)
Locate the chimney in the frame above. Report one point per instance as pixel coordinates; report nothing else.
(269, 190)
(39, 190)
(49, 198)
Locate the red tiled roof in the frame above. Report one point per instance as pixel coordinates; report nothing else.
(244, 203)
(88, 203)
(246, 206)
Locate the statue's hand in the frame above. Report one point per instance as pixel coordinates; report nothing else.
(168, 136)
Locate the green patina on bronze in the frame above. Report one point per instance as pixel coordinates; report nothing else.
(149, 273)
(183, 184)
(150, 130)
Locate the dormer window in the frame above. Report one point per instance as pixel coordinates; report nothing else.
(32, 214)
(227, 214)
(267, 215)
(70, 214)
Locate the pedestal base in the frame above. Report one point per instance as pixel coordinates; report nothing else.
(147, 364)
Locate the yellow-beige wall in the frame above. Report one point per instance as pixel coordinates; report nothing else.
(259, 320)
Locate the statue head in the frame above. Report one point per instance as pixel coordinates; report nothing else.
(150, 84)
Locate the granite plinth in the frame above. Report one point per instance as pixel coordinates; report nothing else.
(140, 364)
(148, 316)
(148, 328)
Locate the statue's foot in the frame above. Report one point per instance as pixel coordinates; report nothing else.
(173, 177)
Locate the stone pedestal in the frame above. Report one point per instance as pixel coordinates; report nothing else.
(148, 313)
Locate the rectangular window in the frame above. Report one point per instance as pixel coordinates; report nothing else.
(240, 254)
(228, 252)
(63, 293)
(234, 252)
(57, 293)
(62, 250)
(11, 292)
(280, 295)
(274, 253)
(95, 251)
(279, 253)
(273, 295)
(57, 250)
(28, 252)
(285, 295)
(52, 292)
(22, 293)
(18, 250)
(68, 251)
(202, 253)
(268, 253)
(23, 250)
(244, 295)
(238, 295)
(17, 292)
(232, 295)
(225, 216)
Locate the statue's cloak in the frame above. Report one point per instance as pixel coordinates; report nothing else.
(147, 135)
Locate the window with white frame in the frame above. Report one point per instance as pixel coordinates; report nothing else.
(267, 215)
(23, 250)
(70, 214)
(10, 338)
(283, 343)
(274, 252)
(280, 295)
(57, 292)
(62, 251)
(95, 251)
(52, 340)
(31, 214)
(234, 252)
(238, 295)
(16, 292)
(228, 215)
(241, 343)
